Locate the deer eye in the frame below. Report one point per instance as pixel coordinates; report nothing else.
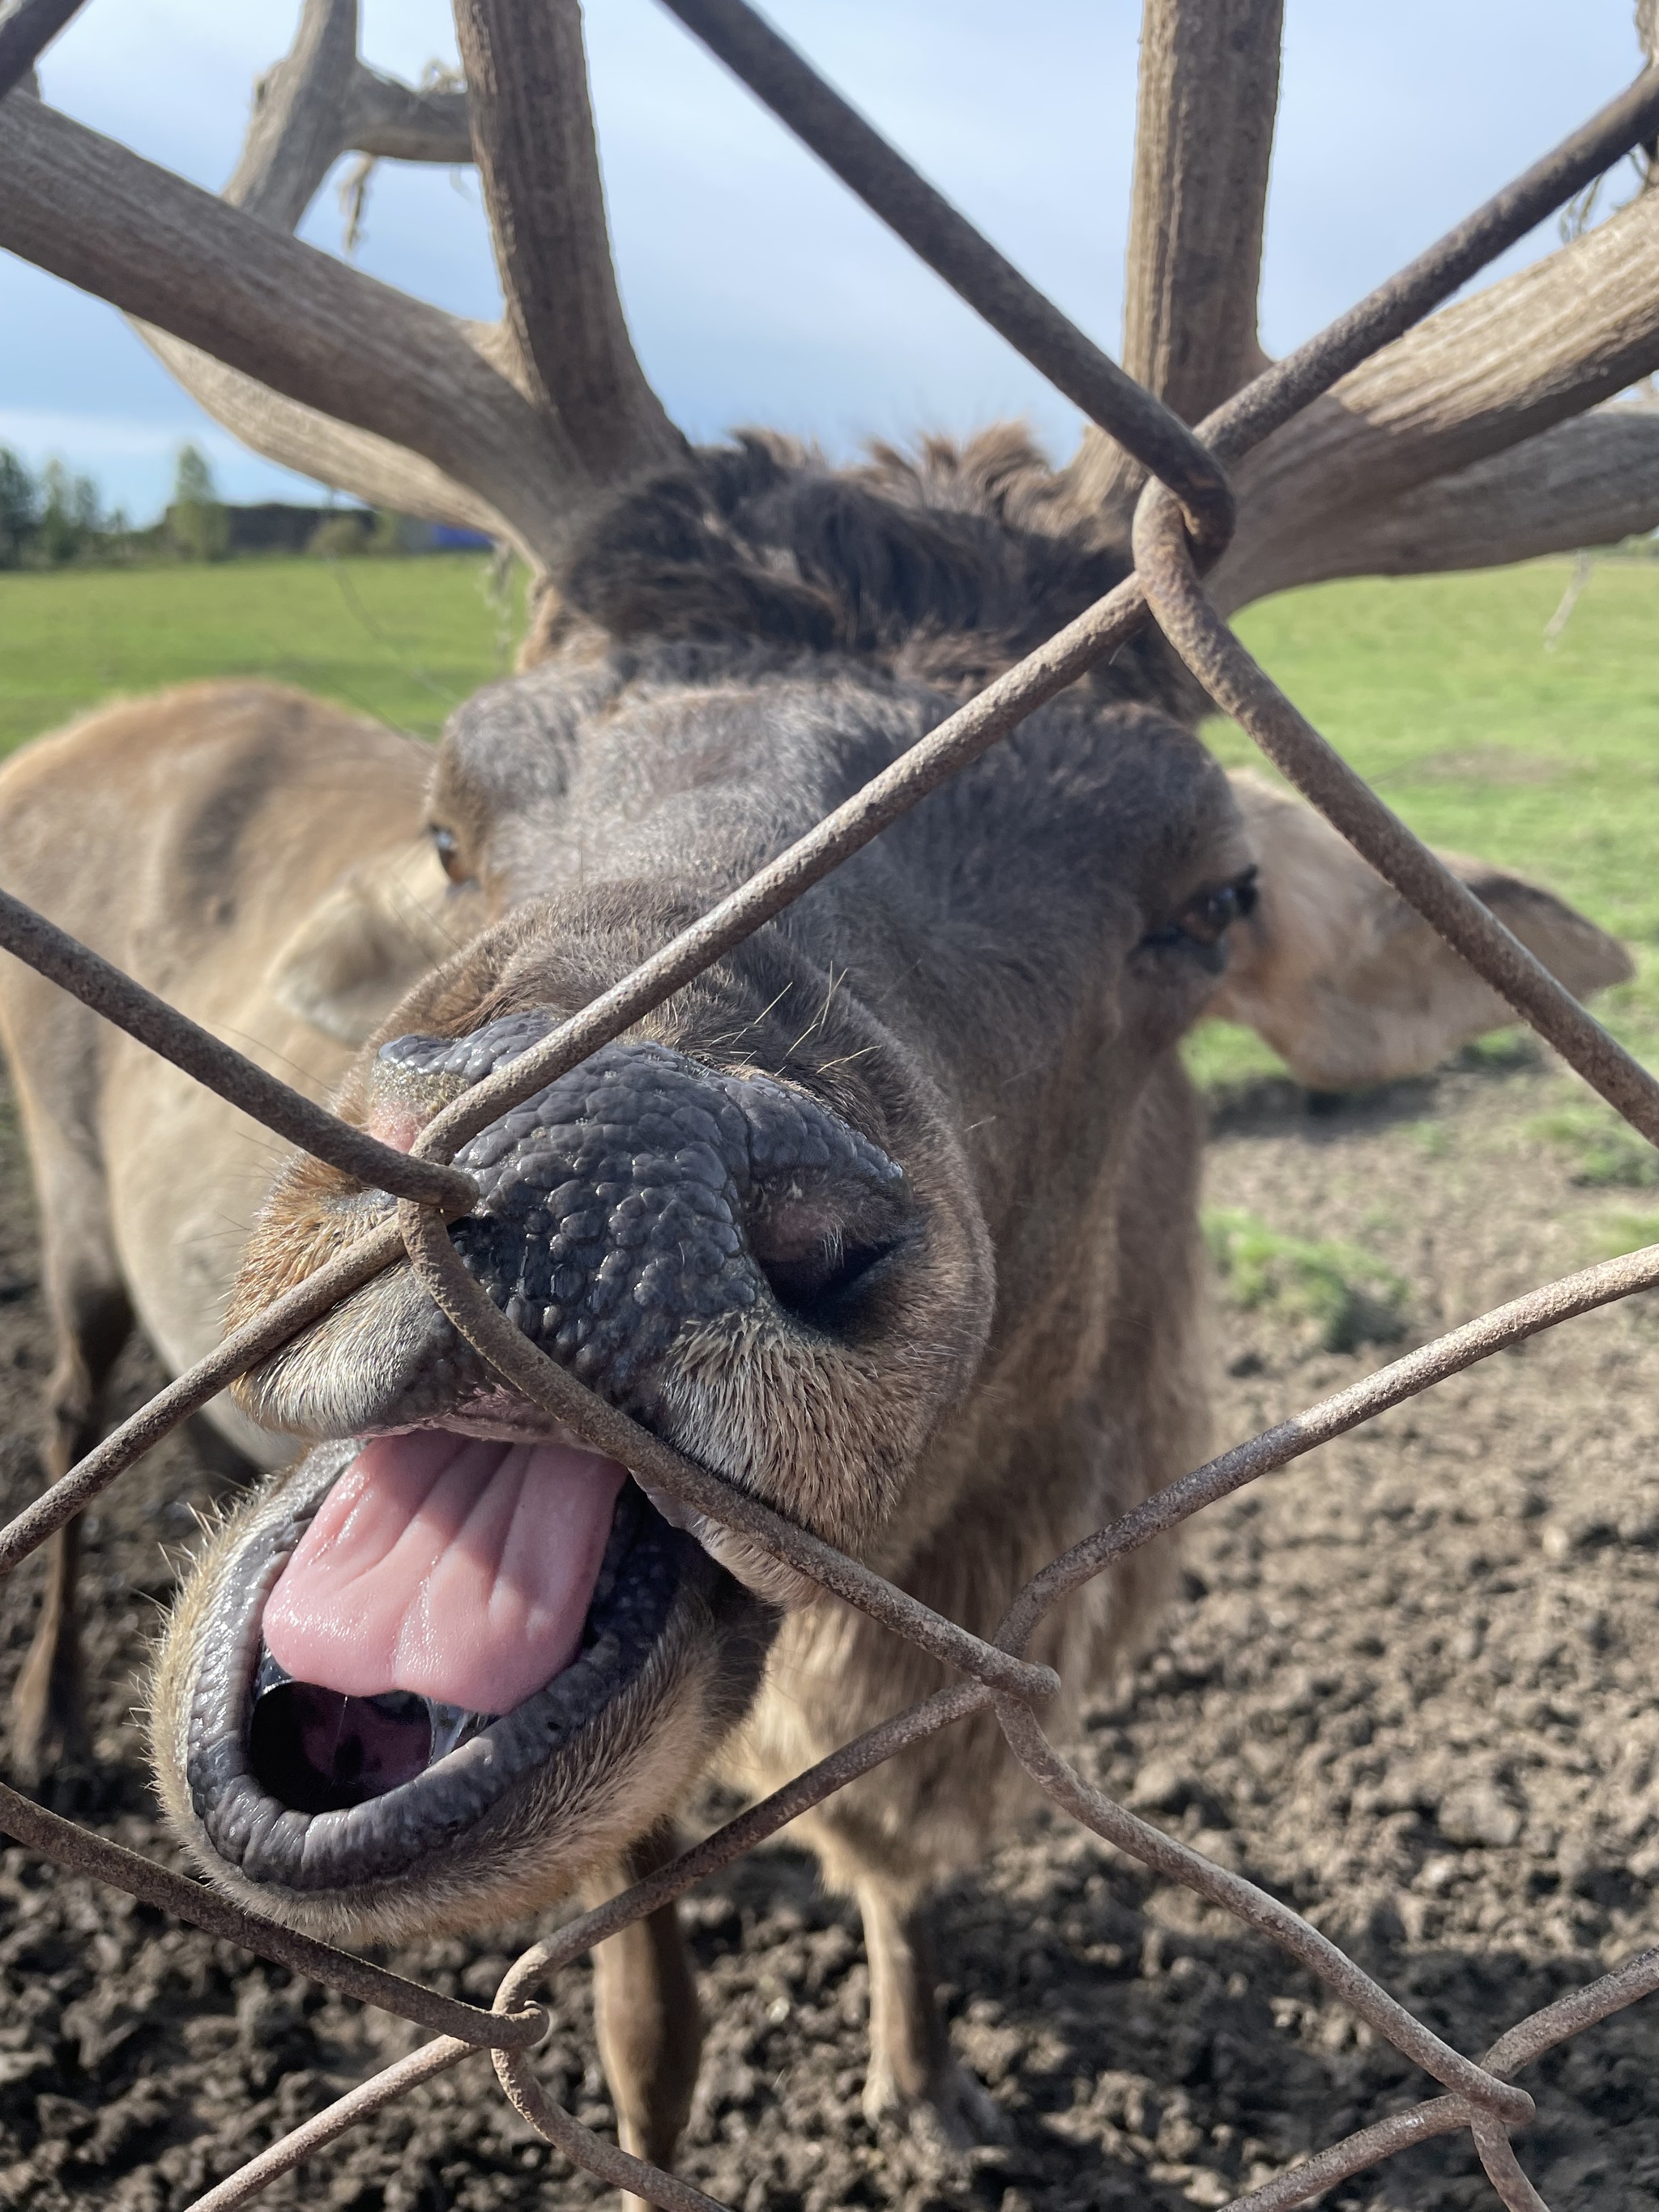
(447, 846)
(1207, 918)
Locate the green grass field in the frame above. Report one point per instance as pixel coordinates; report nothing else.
(1440, 688)
(400, 640)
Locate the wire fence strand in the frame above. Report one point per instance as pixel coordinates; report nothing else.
(1181, 524)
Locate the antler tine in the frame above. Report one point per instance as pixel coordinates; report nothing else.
(532, 136)
(27, 31)
(1484, 375)
(322, 101)
(314, 444)
(329, 338)
(1204, 129)
(319, 101)
(302, 115)
(409, 123)
(1590, 481)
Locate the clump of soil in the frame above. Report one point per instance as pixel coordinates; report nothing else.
(1408, 1687)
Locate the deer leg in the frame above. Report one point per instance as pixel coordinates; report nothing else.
(649, 2022)
(914, 2072)
(51, 1745)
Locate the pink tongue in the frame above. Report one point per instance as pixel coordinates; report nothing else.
(442, 1565)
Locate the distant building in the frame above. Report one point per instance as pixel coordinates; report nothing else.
(274, 525)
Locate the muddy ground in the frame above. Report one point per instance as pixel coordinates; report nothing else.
(1408, 1687)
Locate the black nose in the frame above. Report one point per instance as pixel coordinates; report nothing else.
(643, 1195)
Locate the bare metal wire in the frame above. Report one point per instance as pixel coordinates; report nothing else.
(1179, 529)
(287, 1112)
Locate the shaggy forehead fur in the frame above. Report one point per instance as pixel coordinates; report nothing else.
(944, 566)
(736, 649)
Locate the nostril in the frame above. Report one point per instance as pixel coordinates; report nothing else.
(822, 1261)
(821, 1288)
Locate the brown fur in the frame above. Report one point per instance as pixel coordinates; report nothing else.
(946, 565)
(993, 993)
(1349, 983)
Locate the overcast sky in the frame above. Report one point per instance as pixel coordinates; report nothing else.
(757, 289)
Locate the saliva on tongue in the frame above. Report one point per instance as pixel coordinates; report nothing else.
(446, 1567)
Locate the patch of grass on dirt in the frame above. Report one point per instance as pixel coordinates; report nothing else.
(1615, 1233)
(1350, 1298)
(1500, 1051)
(1608, 1154)
(402, 641)
(1222, 1057)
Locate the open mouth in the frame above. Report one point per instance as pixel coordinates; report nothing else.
(438, 1617)
(457, 1652)
(451, 1567)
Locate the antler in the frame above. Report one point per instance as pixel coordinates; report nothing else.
(1399, 465)
(1449, 449)
(321, 100)
(1204, 129)
(1590, 480)
(317, 103)
(512, 429)
(532, 133)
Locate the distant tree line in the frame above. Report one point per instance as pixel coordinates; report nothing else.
(56, 520)
(51, 519)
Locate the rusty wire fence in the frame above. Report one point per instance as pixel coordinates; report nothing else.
(1183, 521)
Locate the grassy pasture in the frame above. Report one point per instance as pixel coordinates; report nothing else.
(399, 639)
(1440, 688)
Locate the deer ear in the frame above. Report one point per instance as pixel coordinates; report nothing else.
(371, 939)
(1347, 982)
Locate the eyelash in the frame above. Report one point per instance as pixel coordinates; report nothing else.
(1206, 919)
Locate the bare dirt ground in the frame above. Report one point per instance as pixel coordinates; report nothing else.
(1408, 1687)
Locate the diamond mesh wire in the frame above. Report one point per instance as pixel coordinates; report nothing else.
(1182, 522)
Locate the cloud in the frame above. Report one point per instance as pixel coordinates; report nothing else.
(132, 460)
(39, 431)
(757, 289)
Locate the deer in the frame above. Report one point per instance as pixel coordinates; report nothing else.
(890, 1218)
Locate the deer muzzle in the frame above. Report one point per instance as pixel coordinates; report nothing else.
(452, 1602)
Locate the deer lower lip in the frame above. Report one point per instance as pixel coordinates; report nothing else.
(326, 1797)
